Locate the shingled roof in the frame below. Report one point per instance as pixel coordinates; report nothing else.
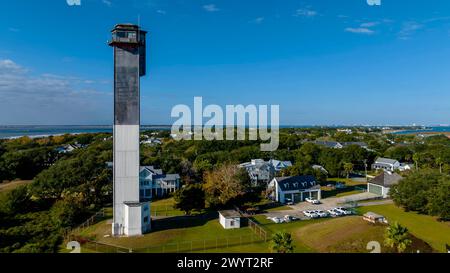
(386, 179)
(292, 183)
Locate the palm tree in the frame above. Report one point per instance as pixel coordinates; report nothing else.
(439, 162)
(416, 159)
(348, 167)
(282, 242)
(397, 237)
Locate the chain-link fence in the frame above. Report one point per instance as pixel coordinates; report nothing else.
(217, 244)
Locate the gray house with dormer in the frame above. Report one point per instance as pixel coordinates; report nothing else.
(294, 189)
(261, 172)
(154, 183)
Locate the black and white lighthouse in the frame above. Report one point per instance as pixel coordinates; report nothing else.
(130, 216)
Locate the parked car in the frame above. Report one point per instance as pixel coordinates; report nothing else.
(277, 220)
(344, 211)
(334, 212)
(310, 214)
(289, 218)
(312, 201)
(321, 213)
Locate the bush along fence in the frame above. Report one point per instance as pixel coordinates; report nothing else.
(253, 225)
(100, 215)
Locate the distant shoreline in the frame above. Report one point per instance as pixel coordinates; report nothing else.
(42, 131)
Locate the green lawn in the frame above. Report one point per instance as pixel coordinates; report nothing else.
(424, 227)
(183, 234)
(352, 188)
(279, 208)
(9, 186)
(342, 194)
(292, 228)
(164, 207)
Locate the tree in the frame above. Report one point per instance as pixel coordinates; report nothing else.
(18, 200)
(189, 198)
(397, 237)
(416, 159)
(348, 168)
(282, 242)
(225, 184)
(439, 162)
(425, 191)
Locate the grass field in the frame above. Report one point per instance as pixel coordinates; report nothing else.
(352, 188)
(292, 227)
(199, 233)
(279, 208)
(342, 235)
(164, 207)
(9, 186)
(425, 227)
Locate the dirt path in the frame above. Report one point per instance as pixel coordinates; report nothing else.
(9, 186)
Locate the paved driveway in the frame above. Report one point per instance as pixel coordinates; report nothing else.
(326, 204)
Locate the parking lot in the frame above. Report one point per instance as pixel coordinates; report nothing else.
(326, 204)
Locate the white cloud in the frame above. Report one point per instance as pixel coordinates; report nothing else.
(13, 29)
(25, 97)
(160, 11)
(359, 30)
(107, 2)
(305, 13)
(210, 8)
(408, 29)
(369, 24)
(258, 20)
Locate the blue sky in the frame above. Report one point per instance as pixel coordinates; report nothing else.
(323, 61)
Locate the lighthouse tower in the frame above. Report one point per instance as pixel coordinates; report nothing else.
(131, 217)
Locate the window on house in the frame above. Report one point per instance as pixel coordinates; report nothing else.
(232, 223)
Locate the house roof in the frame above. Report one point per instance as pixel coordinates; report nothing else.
(280, 164)
(330, 144)
(385, 160)
(229, 213)
(300, 182)
(360, 144)
(386, 179)
(151, 169)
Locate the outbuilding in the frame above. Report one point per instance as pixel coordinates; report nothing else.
(230, 219)
(381, 184)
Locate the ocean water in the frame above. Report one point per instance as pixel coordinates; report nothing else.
(438, 129)
(44, 130)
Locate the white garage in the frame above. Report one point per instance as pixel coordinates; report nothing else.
(381, 184)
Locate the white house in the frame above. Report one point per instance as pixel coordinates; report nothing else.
(381, 184)
(261, 172)
(152, 141)
(320, 168)
(69, 148)
(386, 164)
(153, 183)
(294, 188)
(230, 219)
(279, 165)
(329, 144)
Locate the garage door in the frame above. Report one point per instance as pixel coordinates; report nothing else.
(375, 189)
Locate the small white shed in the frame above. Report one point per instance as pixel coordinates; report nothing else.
(230, 219)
